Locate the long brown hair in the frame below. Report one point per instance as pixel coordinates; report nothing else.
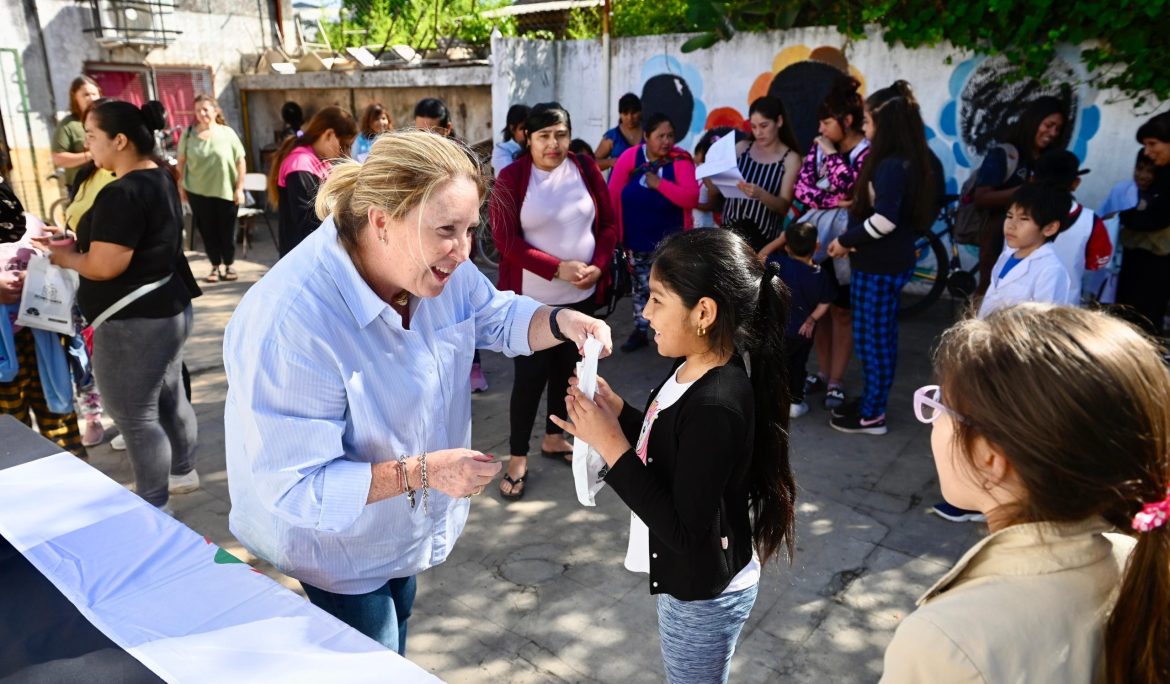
(900, 133)
(330, 118)
(204, 97)
(373, 112)
(77, 84)
(1075, 400)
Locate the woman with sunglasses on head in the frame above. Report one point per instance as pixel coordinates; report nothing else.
(1051, 421)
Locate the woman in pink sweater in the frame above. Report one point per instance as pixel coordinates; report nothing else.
(653, 189)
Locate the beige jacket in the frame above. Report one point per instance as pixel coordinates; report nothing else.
(1026, 604)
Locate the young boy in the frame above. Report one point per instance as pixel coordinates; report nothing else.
(1029, 270)
(1085, 245)
(1127, 193)
(812, 290)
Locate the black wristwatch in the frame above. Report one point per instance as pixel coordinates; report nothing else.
(554, 327)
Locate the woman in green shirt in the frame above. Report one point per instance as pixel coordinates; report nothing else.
(68, 146)
(211, 172)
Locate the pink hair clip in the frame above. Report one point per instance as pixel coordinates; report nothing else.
(1153, 515)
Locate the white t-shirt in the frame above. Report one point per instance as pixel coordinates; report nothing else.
(703, 219)
(557, 218)
(638, 550)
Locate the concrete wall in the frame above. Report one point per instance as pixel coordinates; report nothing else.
(962, 95)
(49, 37)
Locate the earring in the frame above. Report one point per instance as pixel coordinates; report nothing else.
(382, 237)
(702, 331)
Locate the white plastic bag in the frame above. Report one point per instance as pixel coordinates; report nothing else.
(47, 300)
(588, 466)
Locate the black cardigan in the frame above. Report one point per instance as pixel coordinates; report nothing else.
(692, 490)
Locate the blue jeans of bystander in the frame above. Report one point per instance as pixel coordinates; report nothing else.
(380, 614)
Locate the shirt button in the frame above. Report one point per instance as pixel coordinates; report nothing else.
(649, 460)
(653, 555)
(654, 584)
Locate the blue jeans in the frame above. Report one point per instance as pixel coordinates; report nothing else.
(641, 288)
(380, 614)
(698, 637)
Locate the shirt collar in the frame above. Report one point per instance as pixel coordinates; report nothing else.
(363, 303)
(1029, 549)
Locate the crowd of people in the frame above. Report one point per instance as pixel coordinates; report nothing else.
(351, 364)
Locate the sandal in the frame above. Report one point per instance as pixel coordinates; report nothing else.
(565, 457)
(515, 495)
(230, 274)
(213, 277)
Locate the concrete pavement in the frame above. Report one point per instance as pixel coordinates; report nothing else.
(535, 590)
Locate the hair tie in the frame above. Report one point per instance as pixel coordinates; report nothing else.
(1153, 515)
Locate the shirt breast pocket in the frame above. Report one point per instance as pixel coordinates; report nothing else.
(454, 348)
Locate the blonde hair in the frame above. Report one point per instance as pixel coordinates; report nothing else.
(403, 170)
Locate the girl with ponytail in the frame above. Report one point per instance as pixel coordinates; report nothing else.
(1053, 423)
(300, 166)
(706, 465)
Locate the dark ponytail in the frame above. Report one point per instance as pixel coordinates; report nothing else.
(752, 315)
(138, 124)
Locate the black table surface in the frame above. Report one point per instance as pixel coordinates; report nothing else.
(43, 637)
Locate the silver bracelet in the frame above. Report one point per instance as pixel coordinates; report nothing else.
(426, 488)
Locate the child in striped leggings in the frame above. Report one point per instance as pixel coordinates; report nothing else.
(895, 196)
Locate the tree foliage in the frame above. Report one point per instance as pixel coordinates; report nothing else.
(421, 24)
(1125, 43)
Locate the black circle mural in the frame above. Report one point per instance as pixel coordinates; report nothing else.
(670, 95)
(992, 100)
(802, 87)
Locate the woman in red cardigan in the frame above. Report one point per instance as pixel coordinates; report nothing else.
(553, 225)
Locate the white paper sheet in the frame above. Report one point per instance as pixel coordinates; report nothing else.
(588, 466)
(720, 165)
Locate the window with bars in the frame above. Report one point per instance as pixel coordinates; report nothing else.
(174, 86)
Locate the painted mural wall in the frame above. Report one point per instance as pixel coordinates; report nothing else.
(965, 98)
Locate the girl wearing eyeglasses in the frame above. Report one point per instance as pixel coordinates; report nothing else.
(1052, 422)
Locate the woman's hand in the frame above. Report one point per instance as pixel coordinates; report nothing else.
(11, 286)
(59, 254)
(752, 190)
(594, 424)
(241, 199)
(577, 327)
(837, 250)
(571, 270)
(807, 328)
(460, 472)
(653, 180)
(827, 145)
(605, 396)
(588, 278)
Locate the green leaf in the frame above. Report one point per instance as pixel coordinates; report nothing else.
(700, 42)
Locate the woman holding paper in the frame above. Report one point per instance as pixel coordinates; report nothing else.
(770, 164)
(348, 417)
(706, 465)
(552, 222)
(653, 189)
(136, 290)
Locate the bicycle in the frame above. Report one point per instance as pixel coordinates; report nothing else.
(56, 214)
(938, 265)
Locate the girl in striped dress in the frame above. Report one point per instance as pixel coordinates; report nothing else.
(770, 165)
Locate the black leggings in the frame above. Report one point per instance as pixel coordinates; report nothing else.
(216, 220)
(548, 369)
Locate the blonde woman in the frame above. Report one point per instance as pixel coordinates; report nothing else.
(348, 417)
(211, 172)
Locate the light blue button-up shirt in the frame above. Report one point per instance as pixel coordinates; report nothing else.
(323, 381)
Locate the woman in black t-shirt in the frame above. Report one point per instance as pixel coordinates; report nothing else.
(136, 291)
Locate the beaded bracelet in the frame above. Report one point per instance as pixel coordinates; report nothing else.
(426, 489)
(403, 473)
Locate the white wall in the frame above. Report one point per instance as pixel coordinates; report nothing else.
(733, 73)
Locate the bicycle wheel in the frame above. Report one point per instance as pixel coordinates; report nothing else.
(930, 276)
(485, 249)
(56, 215)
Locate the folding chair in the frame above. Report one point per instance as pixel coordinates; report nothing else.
(256, 184)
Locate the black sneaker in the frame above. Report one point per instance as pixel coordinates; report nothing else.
(813, 383)
(845, 410)
(636, 341)
(834, 398)
(855, 424)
